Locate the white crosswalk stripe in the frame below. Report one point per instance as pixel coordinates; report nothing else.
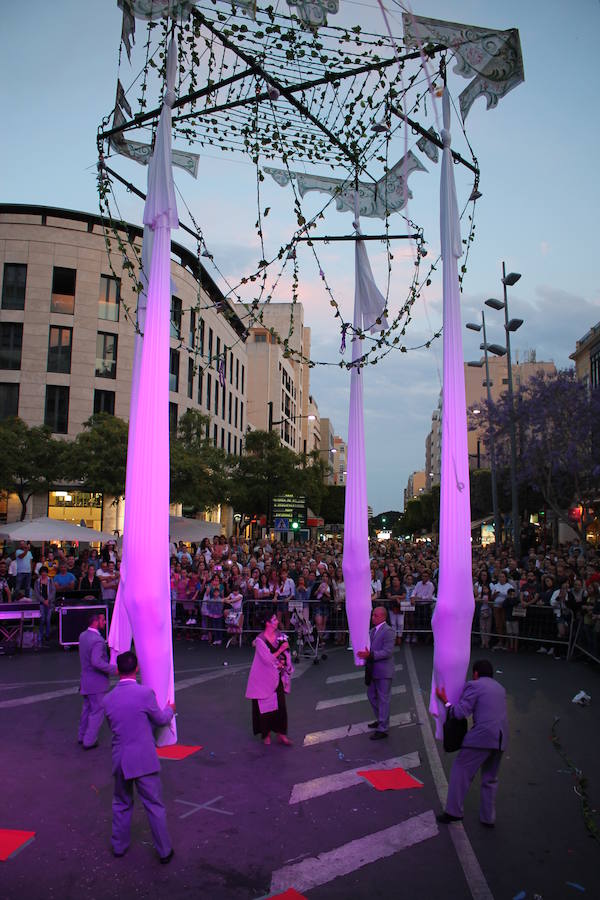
(350, 676)
(344, 731)
(328, 784)
(354, 698)
(313, 871)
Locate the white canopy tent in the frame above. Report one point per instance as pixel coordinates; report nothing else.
(46, 529)
(182, 529)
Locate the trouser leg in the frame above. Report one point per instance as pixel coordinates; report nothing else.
(149, 789)
(95, 719)
(489, 787)
(465, 766)
(83, 721)
(122, 809)
(384, 690)
(372, 697)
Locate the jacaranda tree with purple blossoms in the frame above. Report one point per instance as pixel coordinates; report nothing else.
(557, 421)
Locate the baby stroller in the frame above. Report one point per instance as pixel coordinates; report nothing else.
(306, 636)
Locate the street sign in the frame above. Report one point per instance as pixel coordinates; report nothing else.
(281, 524)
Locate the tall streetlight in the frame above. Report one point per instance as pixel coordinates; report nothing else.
(497, 351)
(311, 417)
(511, 325)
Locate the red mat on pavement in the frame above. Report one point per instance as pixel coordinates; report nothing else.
(290, 894)
(390, 779)
(177, 751)
(11, 840)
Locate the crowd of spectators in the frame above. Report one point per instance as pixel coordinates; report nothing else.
(220, 589)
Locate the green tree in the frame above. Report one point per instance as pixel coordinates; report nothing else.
(98, 455)
(199, 471)
(31, 460)
(333, 505)
(266, 470)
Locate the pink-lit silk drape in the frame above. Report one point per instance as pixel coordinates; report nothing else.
(145, 589)
(454, 609)
(369, 305)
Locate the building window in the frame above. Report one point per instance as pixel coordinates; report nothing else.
(191, 379)
(200, 385)
(218, 353)
(230, 404)
(235, 418)
(11, 344)
(235, 444)
(13, 286)
(215, 435)
(260, 338)
(59, 349)
(243, 374)
(222, 438)
(231, 367)
(192, 331)
(104, 402)
(208, 389)
(241, 416)
(173, 418)
(210, 345)
(106, 355)
(63, 291)
(201, 337)
(56, 413)
(176, 311)
(595, 367)
(229, 442)
(223, 404)
(110, 298)
(174, 370)
(9, 400)
(237, 374)
(216, 396)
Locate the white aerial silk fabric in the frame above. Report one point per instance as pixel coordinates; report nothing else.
(144, 590)
(455, 604)
(369, 305)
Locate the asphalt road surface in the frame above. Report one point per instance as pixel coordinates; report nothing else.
(249, 821)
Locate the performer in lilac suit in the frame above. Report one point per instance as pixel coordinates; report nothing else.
(132, 710)
(485, 700)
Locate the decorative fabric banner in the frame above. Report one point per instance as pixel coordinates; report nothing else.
(142, 153)
(369, 306)
(453, 613)
(390, 193)
(145, 591)
(490, 57)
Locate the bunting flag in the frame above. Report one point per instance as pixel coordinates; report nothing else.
(428, 147)
(375, 199)
(369, 314)
(455, 605)
(142, 153)
(491, 58)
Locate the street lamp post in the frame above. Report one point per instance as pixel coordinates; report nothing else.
(311, 417)
(487, 347)
(511, 325)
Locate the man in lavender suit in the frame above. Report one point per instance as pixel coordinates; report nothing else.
(132, 710)
(95, 680)
(483, 745)
(379, 660)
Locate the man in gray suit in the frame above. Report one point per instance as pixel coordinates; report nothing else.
(380, 666)
(482, 748)
(132, 710)
(95, 680)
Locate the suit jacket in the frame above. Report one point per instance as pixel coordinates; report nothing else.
(132, 710)
(37, 592)
(382, 651)
(485, 700)
(95, 667)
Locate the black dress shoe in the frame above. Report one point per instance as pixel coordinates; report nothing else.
(90, 746)
(167, 859)
(119, 855)
(379, 735)
(445, 818)
(372, 724)
(488, 824)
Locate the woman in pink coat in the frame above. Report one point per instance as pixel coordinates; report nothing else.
(268, 683)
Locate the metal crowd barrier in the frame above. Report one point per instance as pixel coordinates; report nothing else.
(586, 640)
(536, 624)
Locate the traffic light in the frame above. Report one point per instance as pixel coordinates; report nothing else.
(295, 525)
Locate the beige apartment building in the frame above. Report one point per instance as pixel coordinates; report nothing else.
(415, 486)
(279, 386)
(587, 357)
(66, 337)
(340, 460)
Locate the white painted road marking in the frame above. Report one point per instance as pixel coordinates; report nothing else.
(328, 784)
(350, 676)
(354, 698)
(478, 885)
(316, 870)
(337, 734)
(208, 805)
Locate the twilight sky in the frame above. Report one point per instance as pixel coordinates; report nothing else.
(537, 152)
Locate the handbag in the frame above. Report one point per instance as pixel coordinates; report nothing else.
(454, 732)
